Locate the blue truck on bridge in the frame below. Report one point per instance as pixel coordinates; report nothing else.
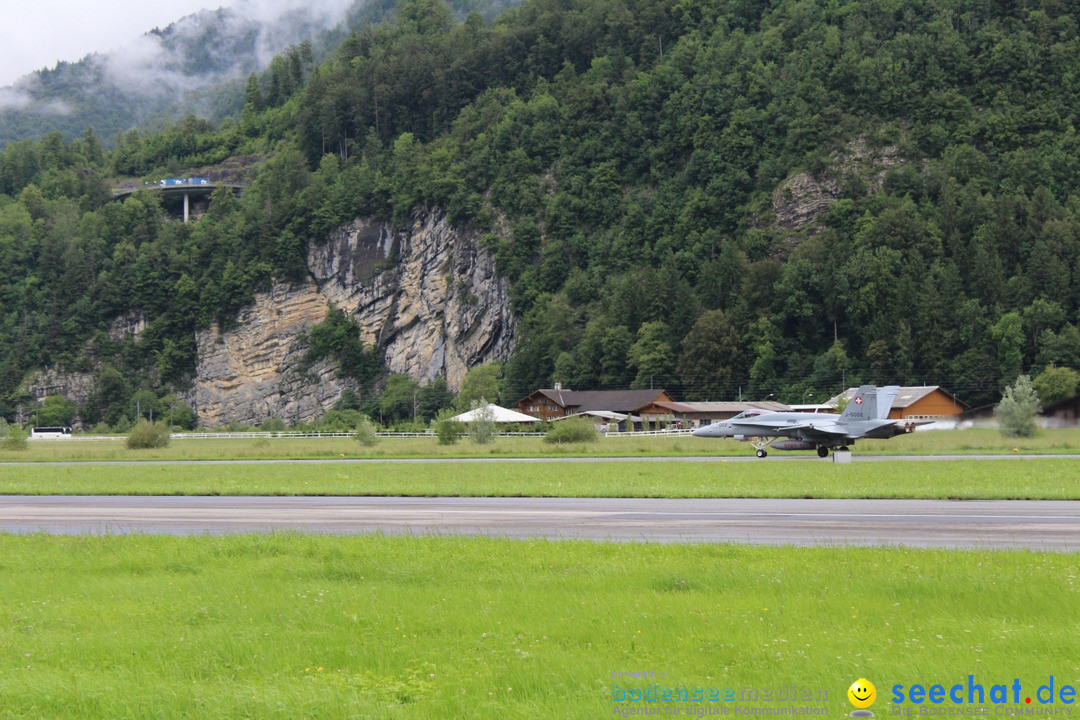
(179, 182)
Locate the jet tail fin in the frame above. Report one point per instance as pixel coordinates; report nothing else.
(886, 396)
(862, 406)
(870, 403)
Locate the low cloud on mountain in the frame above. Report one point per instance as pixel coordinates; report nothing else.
(162, 67)
(212, 46)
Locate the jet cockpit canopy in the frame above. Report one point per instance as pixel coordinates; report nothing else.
(752, 412)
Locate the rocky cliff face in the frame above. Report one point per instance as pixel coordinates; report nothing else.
(251, 373)
(440, 308)
(426, 296)
(801, 201)
(75, 386)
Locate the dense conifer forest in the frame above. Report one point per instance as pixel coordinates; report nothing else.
(628, 161)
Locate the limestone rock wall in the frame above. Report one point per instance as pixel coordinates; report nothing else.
(130, 325)
(75, 386)
(800, 202)
(426, 296)
(438, 310)
(251, 373)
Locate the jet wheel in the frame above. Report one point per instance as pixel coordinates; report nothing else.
(822, 451)
(761, 453)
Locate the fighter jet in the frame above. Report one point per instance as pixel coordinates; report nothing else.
(866, 416)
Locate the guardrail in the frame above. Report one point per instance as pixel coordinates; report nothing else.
(256, 435)
(652, 433)
(249, 435)
(243, 435)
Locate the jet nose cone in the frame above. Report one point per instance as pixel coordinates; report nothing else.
(707, 431)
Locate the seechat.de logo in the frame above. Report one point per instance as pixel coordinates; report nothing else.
(862, 695)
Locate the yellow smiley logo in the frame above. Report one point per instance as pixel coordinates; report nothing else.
(862, 693)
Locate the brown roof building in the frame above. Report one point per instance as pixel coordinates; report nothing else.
(556, 403)
(1065, 413)
(924, 402)
(697, 414)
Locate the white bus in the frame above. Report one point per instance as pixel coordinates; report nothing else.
(50, 433)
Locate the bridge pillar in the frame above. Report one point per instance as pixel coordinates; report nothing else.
(186, 208)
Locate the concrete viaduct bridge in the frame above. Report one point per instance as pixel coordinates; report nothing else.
(183, 190)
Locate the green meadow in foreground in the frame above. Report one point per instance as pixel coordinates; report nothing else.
(294, 626)
(924, 442)
(1047, 479)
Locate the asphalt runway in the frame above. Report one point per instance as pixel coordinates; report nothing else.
(1039, 525)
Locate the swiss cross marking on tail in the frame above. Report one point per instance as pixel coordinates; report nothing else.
(858, 401)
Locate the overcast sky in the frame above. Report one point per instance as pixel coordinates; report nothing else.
(35, 34)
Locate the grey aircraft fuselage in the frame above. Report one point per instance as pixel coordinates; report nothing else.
(866, 416)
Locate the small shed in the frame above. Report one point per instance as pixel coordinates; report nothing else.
(1065, 413)
(607, 421)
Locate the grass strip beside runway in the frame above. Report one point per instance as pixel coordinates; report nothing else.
(1042, 479)
(923, 442)
(292, 626)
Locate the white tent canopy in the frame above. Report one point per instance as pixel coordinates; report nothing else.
(499, 414)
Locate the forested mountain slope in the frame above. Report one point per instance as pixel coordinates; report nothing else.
(776, 197)
(197, 65)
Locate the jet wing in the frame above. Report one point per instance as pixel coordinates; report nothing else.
(801, 431)
(811, 429)
(810, 432)
(756, 428)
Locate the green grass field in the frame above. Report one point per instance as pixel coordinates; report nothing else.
(972, 441)
(1049, 478)
(290, 626)
(298, 626)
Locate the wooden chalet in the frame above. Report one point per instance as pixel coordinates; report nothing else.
(924, 402)
(558, 403)
(698, 414)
